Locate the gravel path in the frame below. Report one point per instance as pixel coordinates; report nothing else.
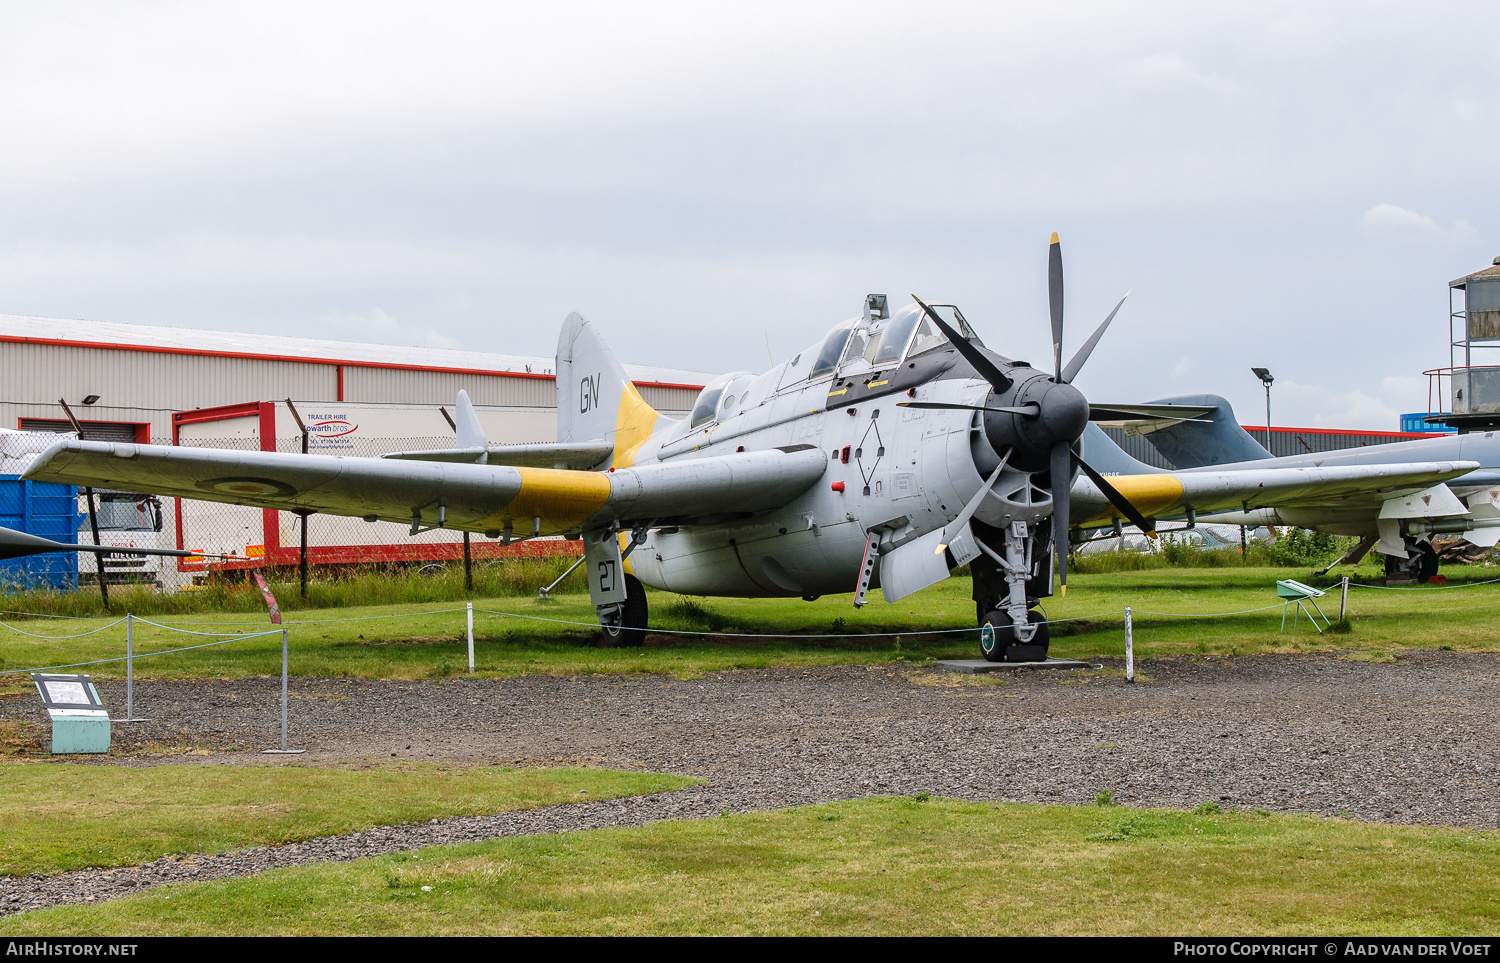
(1411, 741)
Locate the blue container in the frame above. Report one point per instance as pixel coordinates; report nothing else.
(50, 511)
(1416, 421)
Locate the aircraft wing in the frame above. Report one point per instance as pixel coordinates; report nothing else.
(572, 455)
(484, 498)
(1172, 493)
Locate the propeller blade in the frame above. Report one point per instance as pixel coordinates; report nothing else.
(957, 525)
(973, 355)
(1071, 371)
(1055, 302)
(1031, 410)
(1062, 473)
(1121, 503)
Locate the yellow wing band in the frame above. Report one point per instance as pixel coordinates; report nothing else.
(1148, 493)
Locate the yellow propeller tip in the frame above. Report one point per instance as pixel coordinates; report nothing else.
(1063, 590)
(1054, 237)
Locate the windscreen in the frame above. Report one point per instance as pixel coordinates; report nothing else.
(833, 347)
(129, 513)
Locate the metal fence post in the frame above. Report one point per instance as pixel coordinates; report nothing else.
(1344, 600)
(283, 750)
(1129, 649)
(129, 668)
(283, 690)
(470, 615)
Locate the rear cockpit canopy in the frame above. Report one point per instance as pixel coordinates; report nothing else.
(714, 404)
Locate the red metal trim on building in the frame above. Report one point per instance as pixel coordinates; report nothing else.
(381, 554)
(1342, 431)
(219, 413)
(266, 412)
(251, 356)
(341, 384)
(270, 518)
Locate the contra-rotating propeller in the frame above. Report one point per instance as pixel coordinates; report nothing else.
(1053, 419)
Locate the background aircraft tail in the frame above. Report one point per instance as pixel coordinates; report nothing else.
(1108, 458)
(595, 399)
(1215, 440)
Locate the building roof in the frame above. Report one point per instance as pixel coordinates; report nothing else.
(1486, 273)
(114, 334)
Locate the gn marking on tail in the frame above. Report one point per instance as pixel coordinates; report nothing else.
(588, 393)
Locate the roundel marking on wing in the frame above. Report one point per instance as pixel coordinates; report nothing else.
(242, 485)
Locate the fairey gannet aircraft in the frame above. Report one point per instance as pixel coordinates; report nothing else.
(892, 450)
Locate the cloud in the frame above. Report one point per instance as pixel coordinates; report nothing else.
(1390, 221)
(1184, 366)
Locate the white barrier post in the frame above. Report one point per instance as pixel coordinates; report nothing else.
(470, 615)
(1344, 600)
(283, 750)
(1129, 649)
(129, 667)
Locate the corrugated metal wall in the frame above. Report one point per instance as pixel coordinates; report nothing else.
(147, 386)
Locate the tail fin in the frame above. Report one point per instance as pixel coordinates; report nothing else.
(1193, 444)
(466, 423)
(1108, 458)
(595, 399)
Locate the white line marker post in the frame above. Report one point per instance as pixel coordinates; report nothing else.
(129, 666)
(470, 616)
(283, 750)
(1129, 649)
(1344, 600)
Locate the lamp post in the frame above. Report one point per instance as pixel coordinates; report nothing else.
(1265, 378)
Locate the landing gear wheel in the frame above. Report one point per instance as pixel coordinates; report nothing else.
(628, 626)
(997, 639)
(1428, 563)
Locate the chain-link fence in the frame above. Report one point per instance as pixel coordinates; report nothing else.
(255, 537)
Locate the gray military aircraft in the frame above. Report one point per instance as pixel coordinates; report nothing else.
(892, 450)
(1203, 434)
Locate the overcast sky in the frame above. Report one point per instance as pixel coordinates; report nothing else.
(1289, 185)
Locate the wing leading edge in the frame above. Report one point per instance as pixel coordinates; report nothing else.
(1169, 494)
(483, 498)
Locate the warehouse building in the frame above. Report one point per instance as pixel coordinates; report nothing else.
(161, 385)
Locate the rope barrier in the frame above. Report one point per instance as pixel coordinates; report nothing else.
(61, 637)
(46, 615)
(1423, 588)
(140, 655)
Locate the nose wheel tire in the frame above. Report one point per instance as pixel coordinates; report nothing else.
(627, 627)
(997, 639)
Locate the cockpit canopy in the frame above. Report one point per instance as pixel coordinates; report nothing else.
(879, 342)
(712, 403)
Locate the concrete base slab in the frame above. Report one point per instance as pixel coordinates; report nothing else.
(980, 666)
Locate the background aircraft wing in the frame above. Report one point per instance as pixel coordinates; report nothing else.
(465, 496)
(1170, 493)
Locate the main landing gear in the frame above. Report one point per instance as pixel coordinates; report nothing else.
(624, 623)
(1420, 563)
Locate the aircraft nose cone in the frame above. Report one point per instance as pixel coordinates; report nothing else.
(1064, 412)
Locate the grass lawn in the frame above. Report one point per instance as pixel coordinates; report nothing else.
(898, 866)
(59, 816)
(426, 640)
